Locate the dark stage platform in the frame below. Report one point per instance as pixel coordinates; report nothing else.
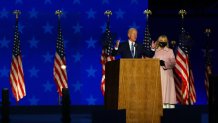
(186, 114)
(97, 114)
(53, 114)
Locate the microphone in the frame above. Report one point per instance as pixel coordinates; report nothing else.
(135, 45)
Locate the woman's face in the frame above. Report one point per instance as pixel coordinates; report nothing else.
(162, 42)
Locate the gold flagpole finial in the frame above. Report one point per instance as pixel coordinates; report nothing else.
(17, 13)
(173, 42)
(182, 12)
(207, 31)
(59, 13)
(108, 13)
(147, 12)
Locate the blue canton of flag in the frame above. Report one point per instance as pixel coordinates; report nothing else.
(147, 41)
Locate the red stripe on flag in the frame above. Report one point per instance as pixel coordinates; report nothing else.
(17, 78)
(186, 81)
(104, 60)
(60, 76)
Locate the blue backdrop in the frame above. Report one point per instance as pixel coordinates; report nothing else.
(83, 23)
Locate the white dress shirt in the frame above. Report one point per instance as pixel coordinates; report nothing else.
(130, 45)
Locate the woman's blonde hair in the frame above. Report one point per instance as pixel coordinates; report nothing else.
(162, 38)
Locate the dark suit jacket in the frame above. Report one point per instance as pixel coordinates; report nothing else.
(124, 51)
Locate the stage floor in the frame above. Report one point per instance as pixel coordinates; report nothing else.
(97, 114)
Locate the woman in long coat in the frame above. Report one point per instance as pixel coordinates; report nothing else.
(167, 62)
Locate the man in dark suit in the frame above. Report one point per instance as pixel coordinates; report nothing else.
(131, 49)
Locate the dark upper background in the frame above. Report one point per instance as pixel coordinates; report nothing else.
(200, 15)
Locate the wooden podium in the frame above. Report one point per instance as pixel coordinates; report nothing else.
(135, 85)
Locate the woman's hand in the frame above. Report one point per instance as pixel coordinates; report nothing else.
(153, 44)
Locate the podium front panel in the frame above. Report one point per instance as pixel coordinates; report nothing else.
(136, 87)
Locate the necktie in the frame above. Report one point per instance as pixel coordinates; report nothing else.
(132, 50)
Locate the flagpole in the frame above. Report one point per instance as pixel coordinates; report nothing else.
(147, 39)
(17, 13)
(183, 12)
(59, 99)
(147, 12)
(208, 62)
(106, 49)
(59, 13)
(173, 43)
(108, 13)
(208, 32)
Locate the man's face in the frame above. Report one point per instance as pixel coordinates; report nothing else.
(132, 35)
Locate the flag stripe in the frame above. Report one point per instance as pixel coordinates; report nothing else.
(178, 89)
(62, 72)
(207, 74)
(58, 74)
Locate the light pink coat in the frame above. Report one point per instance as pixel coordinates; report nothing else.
(167, 81)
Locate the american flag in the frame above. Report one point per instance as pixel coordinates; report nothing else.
(208, 71)
(183, 73)
(60, 73)
(147, 40)
(16, 71)
(106, 53)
